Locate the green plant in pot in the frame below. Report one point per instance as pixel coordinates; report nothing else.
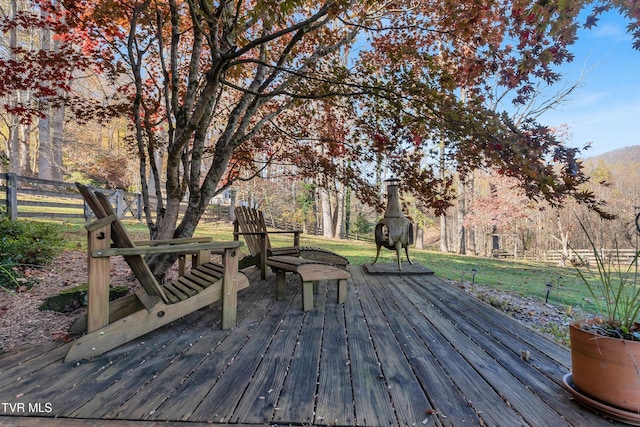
(605, 350)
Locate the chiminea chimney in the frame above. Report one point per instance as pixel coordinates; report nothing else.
(394, 231)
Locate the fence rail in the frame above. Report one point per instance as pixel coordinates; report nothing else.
(26, 197)
(623, 257)
(586, 256)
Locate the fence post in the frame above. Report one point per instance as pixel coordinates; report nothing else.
(232, 206)
(120, 209)
(5, 176)
(86, 210)
(12, 196)
(139, 210)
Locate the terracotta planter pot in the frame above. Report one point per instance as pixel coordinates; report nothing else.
(607, 369)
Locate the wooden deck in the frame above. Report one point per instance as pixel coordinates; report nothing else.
(401, 349)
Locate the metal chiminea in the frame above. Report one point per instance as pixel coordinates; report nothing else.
(394, 231)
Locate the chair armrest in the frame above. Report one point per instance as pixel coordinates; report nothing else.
(250, 233)
(173, 241)
(296, 235)
(264, 233)
(183, 248)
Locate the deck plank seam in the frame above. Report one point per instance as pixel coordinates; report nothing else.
(272, 347)
(517, 329)
(162, 412)
(199, 411)
(88, 366)
(211, 311)
(115, 413)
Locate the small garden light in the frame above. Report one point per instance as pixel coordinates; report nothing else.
(549, 287)
(473, 275)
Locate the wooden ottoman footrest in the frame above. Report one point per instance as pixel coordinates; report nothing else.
(310, 272)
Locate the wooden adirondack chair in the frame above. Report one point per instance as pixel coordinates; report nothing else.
(250, 224)
(110, 325)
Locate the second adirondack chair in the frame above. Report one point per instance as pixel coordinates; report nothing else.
(250, 224)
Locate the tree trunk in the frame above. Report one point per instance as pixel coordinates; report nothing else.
(57, 127)
(339, 230)
(444, 244)
(45, 162)
(471, 232)
(25, 151)
(462, 231)
(232, 205)
(347, 212)
(14, 148)
(419, 240)
(444, 236)
(327, 213)
(57, 141)
(45, 159)
(13, 145)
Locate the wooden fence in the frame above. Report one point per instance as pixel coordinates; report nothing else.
(622, 257)
(25, 197)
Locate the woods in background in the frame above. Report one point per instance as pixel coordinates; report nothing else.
(186, 99)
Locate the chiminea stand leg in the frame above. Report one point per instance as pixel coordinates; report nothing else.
(406, 251)
(398, 247)
(377, 253)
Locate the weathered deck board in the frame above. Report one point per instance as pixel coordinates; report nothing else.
(334, 403)
(20, 354)
(400, 346)
(496, 376)
(406, 395)
(371, 396)
(258, 403)
(135, 383)
(296, 402)
(189, 394)
(17, 370)
(220, 401)
(475, 391)
(509, 345)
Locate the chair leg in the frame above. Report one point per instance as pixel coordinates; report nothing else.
(281, 284)
(342, 291)
(98, 279)
(307, 296)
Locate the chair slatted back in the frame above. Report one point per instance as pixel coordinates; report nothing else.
(252, 221)
(99, 204)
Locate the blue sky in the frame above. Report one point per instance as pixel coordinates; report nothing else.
(605, 109)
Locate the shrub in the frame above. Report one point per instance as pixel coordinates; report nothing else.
(23, 244)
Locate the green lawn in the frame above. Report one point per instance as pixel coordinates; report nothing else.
(524, 278)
